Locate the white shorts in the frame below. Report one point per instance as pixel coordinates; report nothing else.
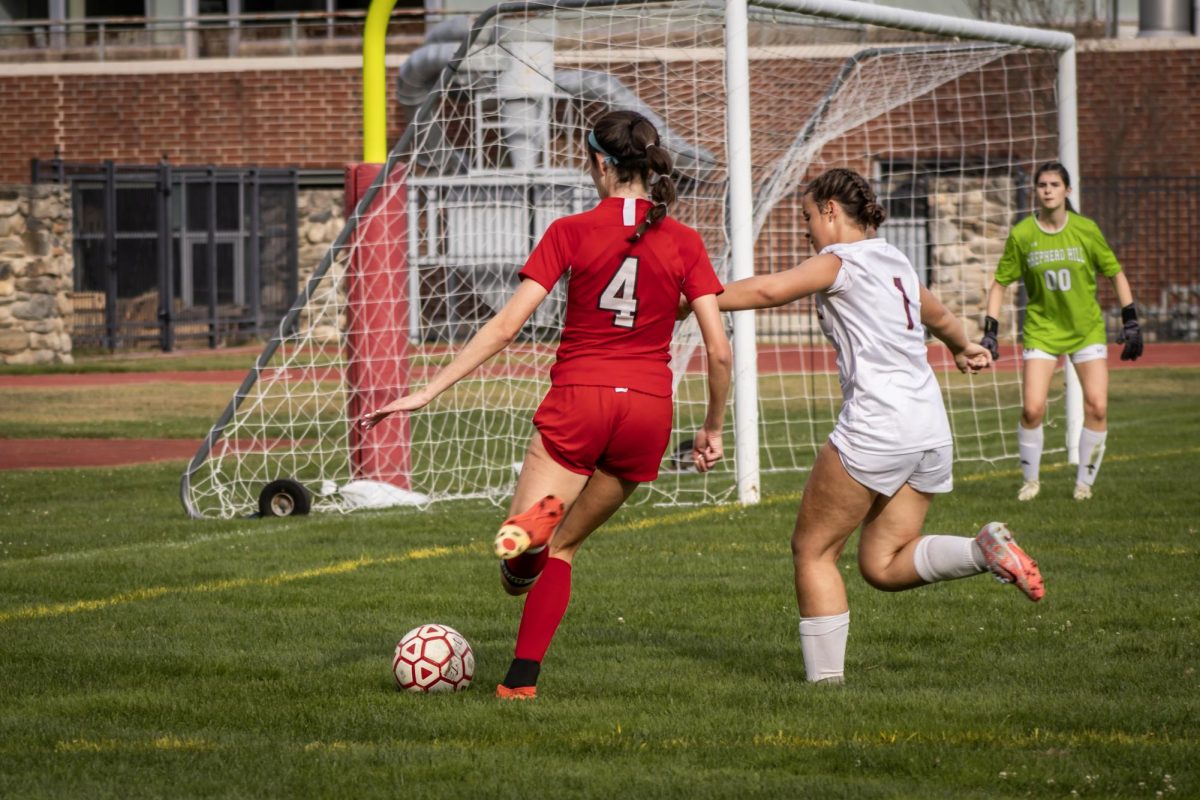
(1090, 353)
(929, 471)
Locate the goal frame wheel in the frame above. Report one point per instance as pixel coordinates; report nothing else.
(284, 498)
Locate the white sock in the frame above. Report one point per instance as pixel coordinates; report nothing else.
(823, 642)
(1091, 453)
(1029, 445)
(944, 558)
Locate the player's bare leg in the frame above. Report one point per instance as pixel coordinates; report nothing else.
(890, 537)
(1037, 376)
(547, 603)
(833, 505)
(1093, 380)
(541, 477)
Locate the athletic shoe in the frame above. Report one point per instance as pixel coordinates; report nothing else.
(519, 693)
(530, 529)
(1008, 562)
(1083, 491)
(1029, 490)
(515, 585)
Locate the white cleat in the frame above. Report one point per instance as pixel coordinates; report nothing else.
(1029, 490)
(1083, 491)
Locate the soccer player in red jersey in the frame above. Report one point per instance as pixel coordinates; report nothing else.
(605, 423)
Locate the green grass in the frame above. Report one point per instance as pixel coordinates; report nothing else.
(148, 655)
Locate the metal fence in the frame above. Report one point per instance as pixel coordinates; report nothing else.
(205, 36)
(205, 255)
(1152, 225)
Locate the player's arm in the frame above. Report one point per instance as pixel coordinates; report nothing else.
(1131, 329)
(1008, 270)
(780, 288)
(494, 336)
(707, 447)
(938, 320)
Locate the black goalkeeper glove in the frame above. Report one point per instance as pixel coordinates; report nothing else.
(991, 327)
(1131, 335)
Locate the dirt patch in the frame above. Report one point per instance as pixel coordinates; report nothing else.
(233, 377)
(62, 453)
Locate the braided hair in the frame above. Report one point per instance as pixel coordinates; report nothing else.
(630, 143)
(853, 193)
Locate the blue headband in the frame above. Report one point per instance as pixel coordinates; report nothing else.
(611, 159)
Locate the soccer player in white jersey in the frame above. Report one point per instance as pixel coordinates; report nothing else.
(891, 449)
(1057, 253)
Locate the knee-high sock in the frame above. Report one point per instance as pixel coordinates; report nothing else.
(944, 558)
(544, 609)
(1029, 445)
(1091, 453)
(823, 643)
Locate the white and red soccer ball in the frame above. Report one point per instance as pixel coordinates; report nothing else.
(433, 658)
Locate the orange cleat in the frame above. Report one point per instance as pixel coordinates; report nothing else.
(1008, 562)
(519, 693)
(531, 529)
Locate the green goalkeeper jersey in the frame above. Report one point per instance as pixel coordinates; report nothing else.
(1059, 270)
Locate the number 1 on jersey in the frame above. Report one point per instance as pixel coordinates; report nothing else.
(618, 296)
(904, 294)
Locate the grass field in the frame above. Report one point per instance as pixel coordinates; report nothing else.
(148, 655)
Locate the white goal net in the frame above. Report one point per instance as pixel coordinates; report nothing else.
(948, 128)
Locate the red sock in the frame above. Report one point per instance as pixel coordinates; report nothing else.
(544, 609)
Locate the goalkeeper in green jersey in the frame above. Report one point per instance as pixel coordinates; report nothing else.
(1057, 254)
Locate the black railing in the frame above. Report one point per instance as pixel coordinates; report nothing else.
(205, 36)
(165, 253)
(1151, 225)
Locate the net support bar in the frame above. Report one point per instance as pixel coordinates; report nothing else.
(925, 22)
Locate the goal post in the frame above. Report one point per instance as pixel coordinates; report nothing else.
(946, 116)
(741, 250)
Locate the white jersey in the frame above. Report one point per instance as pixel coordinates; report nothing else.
(891, 401)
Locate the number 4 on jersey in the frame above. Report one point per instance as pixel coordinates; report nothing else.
(618, 296)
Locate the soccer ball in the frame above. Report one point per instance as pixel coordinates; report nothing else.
(433, 658)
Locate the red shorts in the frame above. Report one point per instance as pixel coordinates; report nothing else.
(621, 431)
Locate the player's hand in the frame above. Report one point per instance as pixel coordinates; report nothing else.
(684, 310)
(707, 449)
(1130, 335)
(410, 402)
(973, 358)
(991, 329)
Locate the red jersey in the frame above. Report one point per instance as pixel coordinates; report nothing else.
(621, 298)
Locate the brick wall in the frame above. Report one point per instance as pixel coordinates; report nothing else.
(286, 118)
(1139, 111)
(1138, 115)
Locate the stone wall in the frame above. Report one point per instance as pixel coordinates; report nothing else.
(36, 274)
(321, 218)
(970, 218)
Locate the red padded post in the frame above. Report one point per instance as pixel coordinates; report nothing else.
(377, 327)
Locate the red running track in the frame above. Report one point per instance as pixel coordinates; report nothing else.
(59, 453)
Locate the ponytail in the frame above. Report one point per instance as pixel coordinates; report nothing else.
(662, 187)
(852, 191)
